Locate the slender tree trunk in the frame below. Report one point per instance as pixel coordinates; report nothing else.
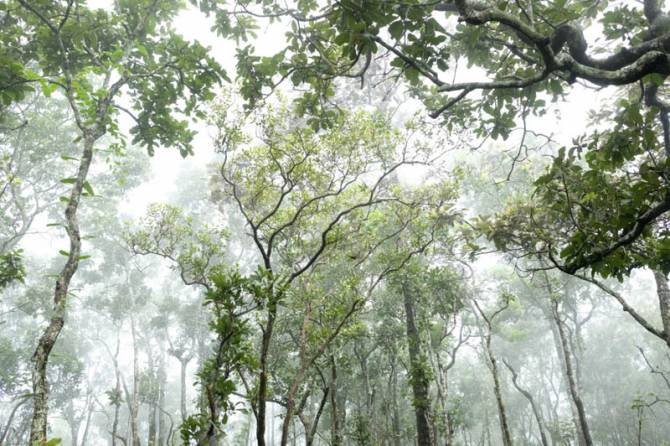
(117, 390)
(418, 373)
(5, 431)
(447, 416)
(162, 384)
(495, 374)
(536, 410)
(582, 424)
(335, 433)
(152, 397)
(290, 408)
(84, 439)
(396, 412)
(151, 421)
(73, 423)
(183, 364)
(38, 429)
(663, 302)
(311, 429)
(502, 412)
(135, 402)
(263, 377)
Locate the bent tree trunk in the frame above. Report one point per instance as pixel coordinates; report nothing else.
(418, 373)
(38, 429)
(582, 424)
(537, 413)
(502, 412)
(493, 363)
(663, 302)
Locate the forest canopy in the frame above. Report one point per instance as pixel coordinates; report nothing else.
(388, 222)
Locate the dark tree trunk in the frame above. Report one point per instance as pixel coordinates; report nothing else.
(418, 373)
(263, 377)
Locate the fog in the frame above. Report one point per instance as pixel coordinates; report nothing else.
(205, 260)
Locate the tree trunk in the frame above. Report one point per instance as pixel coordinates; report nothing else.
(493, 363)
(134, 404)
(663, 302)
(183, 363)
(73, 423)
(263, 378)
(38, 428)
(418, 374)
(117, 390)
(311, 429)
(582, 424)
(396, 413)
(502, 412)
(84, 438)
(335, 433)
(10, 419)
(152, 396)
(536, 411)
(162, 384)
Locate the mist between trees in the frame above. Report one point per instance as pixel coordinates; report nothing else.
(394, 223)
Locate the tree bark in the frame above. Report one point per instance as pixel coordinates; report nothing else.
(162, 384)
(40, 358)
(493, 363)
(263, 378)
(134, 403)
(582, 424)
(396, 412)
(335, 433)
(536, 410)
(663, 303)
(418, 374)
(117, 389)
(152, 397)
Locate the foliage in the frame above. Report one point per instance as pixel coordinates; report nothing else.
(531, 52)
(11, 268)
(230, 297)
(599, 204)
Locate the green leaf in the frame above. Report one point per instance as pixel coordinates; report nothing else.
(64, 253)
(88, 188)
(396, 29)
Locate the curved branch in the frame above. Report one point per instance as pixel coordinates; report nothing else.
(626, 307)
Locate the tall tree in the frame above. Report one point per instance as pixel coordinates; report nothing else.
(92, 57)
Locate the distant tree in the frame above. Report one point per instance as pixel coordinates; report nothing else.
(305, 195)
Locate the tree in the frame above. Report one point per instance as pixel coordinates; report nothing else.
(303, 193)
(130, 49)
(530, 51)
